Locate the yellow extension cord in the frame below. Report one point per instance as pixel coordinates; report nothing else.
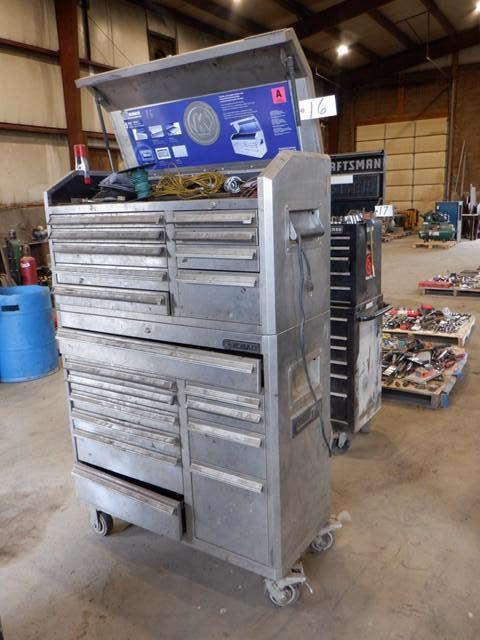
(186, 187)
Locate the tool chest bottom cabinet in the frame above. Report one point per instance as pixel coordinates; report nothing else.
(176, 439)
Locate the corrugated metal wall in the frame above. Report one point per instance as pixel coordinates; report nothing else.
(416, 159)
(31, 84)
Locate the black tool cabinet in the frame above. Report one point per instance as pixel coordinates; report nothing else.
(356, 309)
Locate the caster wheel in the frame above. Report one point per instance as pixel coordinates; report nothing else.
(284, 597)
(323, 543)
(340, 445)
(366, 427)
(103, 524)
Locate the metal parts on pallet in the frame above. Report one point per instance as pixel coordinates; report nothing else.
(191, 332)
(425, 319)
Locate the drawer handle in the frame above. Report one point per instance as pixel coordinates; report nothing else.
(218, 253)
(225, 280)
(208, 218)
(210, 407)
(226, 434)
(228, 478)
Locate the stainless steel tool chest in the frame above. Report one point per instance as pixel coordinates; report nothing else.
(180, 321)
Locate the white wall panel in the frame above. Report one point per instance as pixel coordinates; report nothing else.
(32, 91)
(371, 132)
(29, 21)
(29, 164)
(371, 145)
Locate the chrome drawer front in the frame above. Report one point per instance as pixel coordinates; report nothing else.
(194, 365)
(85, 219)
(116, 277)
(111, 259)
(110, 248)
(227, 297)
(131, 503)
(217, 257)
(230, 511)
(121, 374)
(230, 217)
(108, 232)
(222, 410)
(143, 393)
(252, 402)
(150, 303)
(232, 450)
(146, 437)
(248, 236)
(157, 469)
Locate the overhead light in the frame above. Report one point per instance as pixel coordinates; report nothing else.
(477, 7)
(342, 50)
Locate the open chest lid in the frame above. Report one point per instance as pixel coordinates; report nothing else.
(232, 106)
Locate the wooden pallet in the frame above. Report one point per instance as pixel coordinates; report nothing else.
(438, 399)
(434, 244)
(459, 338)
(451, 291)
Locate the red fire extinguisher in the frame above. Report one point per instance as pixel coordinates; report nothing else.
(28, 267)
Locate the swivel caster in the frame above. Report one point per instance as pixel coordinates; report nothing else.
(102, 523)
(326, 537)
(285, 591)
(323, 542)
(341, 443)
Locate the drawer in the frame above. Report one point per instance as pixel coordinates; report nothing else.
(224, 296)
(339, 265)
(107, 232)
(150, 438)
(230, 511)
(133, 461)
(231, 449)
(143, 507)
(196, 365)
(246, 236)
(339, 405)
(243, 217)
(83, 217)
(233, 257)
(123, 394)
(146, 279)
(146, 302)
(228, 408)
(121, 254)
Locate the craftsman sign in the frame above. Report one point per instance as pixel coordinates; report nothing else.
(358, 163)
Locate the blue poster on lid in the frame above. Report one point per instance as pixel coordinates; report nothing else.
(244, 124)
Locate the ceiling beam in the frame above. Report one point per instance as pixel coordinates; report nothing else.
(251, 27)
(413, 57)
(391, 27)
(323, 20)
(355, 46)
(304, 12)
(439, 16)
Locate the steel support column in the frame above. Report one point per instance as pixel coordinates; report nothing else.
(67, 29)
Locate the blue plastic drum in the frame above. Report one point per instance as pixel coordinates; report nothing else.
(27, 336)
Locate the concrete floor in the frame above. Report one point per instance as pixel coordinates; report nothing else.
(406, 566)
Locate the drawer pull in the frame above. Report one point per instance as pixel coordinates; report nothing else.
(226, 434)
(208, 217)
(85, 217)
(111, 248)
(223, 396)
(216, 253)
(220, 279)
(218, 409)
(101, 293)
(215, 236)
(228, 478)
